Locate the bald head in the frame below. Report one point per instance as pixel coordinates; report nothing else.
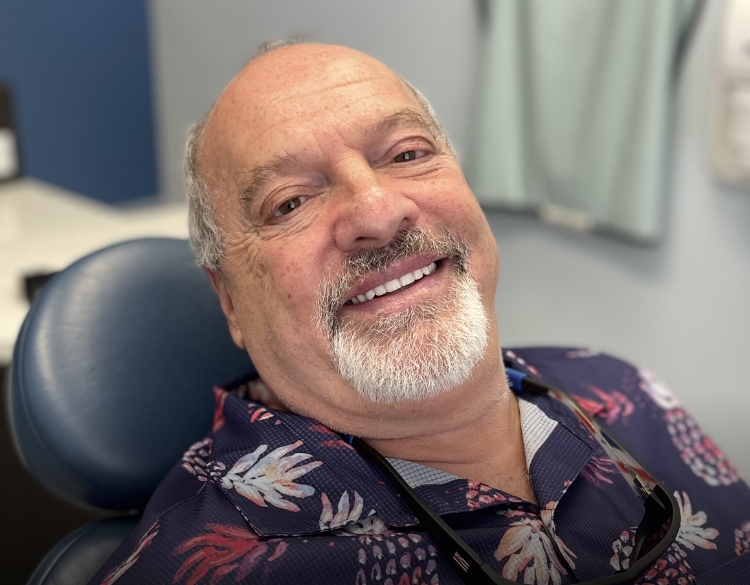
(271, 90)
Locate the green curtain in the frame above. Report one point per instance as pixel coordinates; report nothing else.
(574, 109)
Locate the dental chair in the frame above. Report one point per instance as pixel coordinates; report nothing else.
(111, 381)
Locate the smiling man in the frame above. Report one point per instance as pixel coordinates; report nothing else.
(355, 266)
(338, 184)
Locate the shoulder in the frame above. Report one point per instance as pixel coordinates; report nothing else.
(637, 407)
(182, 543)
(570, 366)
(235, 498)
(648, 419)
(186, 513)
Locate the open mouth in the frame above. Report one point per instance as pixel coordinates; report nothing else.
(395, 285)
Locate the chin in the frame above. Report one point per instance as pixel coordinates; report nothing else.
(417, 354)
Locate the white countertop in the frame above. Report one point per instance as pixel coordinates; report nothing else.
(44, 228)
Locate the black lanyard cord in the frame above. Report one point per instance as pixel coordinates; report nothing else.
(464, 559)
(660, 508)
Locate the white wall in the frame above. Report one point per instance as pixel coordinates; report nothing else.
(680, 309)
(198, 47)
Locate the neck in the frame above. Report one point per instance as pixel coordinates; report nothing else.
(487, 449)
(473, 431)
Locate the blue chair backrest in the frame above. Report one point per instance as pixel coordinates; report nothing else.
(112, 372)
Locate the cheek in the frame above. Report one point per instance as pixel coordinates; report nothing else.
(265, 277)
(274, 285)
(460, 212)
(493, 254)
(286, 344)
(488, 256)
(243, 259)
(287, 275)
(289, 297)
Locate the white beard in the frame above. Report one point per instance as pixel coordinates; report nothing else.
(418, 353)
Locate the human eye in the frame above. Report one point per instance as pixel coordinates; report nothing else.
(289, 205)
(409, 155)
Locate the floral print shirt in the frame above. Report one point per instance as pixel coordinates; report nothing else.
(271, 497)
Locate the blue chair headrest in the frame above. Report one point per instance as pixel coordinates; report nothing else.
(113, 368)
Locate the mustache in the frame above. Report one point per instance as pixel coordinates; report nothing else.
(414, 241)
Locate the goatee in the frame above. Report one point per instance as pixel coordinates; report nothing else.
(417, 353)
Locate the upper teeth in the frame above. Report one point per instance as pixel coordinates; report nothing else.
(394, 284)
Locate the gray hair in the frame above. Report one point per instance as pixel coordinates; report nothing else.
(203, 228)
(205, 235)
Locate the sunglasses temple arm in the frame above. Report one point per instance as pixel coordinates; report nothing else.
(656, 514)
(464, 560)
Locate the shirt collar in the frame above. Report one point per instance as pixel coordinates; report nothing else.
(536, 428)
(287, 474)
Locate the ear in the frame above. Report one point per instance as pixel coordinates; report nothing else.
(227, 306)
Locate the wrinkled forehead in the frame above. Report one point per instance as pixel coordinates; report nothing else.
(294, 93)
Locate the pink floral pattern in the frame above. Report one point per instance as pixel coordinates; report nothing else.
(598, 470)
(220, 397)
(479, 495)
(622, 551)
(224, 550)
(742, 538)
(512, 355)
(582, 353)
(698, 451)
(258, 412)
(613, 405)
(674, 569)
(396, 559)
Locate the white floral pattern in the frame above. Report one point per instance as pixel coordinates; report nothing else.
(673, 567)
(582, 353)
(657, 390)
(267, 480)
(195, 459)
(547, 514)
(691, 532)
(373, 525)
(343, 516)
(530, 551)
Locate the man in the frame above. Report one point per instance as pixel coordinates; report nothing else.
(355, 266)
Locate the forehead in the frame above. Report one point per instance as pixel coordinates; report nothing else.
(300, 97)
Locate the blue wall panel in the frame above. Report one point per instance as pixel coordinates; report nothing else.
(80, 74)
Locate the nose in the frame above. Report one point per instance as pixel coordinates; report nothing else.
(371, 210)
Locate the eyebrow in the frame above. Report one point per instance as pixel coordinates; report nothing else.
(407, 118)
(259, 176)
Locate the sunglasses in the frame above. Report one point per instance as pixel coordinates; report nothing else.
(661, 507)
